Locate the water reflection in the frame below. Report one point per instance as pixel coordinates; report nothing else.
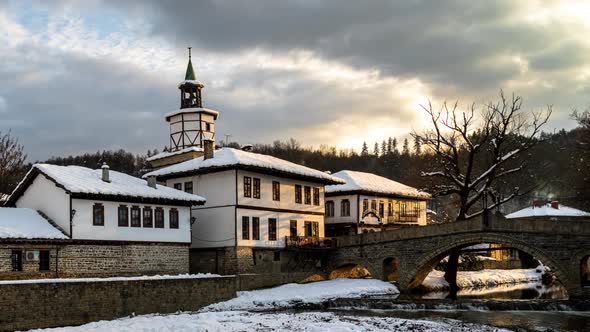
(521, 291)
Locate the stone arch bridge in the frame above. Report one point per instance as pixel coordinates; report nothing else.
(561, 245)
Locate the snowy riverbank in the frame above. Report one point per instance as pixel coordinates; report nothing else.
(237, 314)
(435, 281)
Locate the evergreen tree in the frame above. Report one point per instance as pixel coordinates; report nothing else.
(376, 149)
(417, 146)
(406, 147)
(383, 148)
(389, 145)
(394, 146)
(365, 150)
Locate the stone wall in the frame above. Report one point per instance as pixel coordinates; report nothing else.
(40, 305)
(97, 260)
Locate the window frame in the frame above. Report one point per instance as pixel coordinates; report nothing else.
(365, 205)
(293, 224)
(98, 214)
(272, 229)
(312, 228)
(256, 188)
(247, 183)
(255, 228)
(307, 195)
(159, 223)
(177, 186)
(345, 208)
(44, 264)
(137, 209)
(16, 260)
(316, 196)
(120, 222)
(173, 221)
(381, 209)
(245, 228)
(298, 194)
(148, 212)
(276, 191)
(188, 187)
(329, 206)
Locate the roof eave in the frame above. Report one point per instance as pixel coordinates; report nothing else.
(374, 193)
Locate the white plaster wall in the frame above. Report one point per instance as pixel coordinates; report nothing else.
(283, 226)
(214, 227)
(287, 193)
(45, 196)
(83, 228)
(338, 218)
(218, 188)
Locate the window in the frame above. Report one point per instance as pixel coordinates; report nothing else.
(159, 217)
(298, 194)
(44, 260)
(16, 260)
(316, 196)
(98, 215)
(173, 218)
(272, 229)
(381, 209)
(390, 209)
(188, 187)
(329, 209)
(374, 205)
(135, 216)
(276, 191)
(178, 186)
(255, 228)
(245, 228)
(123, 213)
(307, 192)
(207, 126)
(247, 186)
(345, 208)
(256, 188)
(148, 220)
(365, 205)
(312, 228)
(293, 228)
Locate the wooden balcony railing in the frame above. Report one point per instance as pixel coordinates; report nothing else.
(309, 242)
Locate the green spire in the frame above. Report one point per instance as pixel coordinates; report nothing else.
(190, 72)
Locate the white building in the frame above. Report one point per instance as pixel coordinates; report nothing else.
(254, 201)
(106, 211)
(368, 202)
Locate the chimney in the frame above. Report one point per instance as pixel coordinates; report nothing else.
(537, 204)
(151, 182)
(105, 172)
(208, 147)
(555, 204)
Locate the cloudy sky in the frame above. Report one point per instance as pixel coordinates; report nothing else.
(79, 76)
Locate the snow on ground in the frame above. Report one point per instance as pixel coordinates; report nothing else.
(484, 278)
(287, 295)
(249, 321)
(155, 277)
(21, 223)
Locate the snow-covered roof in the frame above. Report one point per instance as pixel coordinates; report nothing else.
(173, 153)
(82, 180)
(371, 183)
(548, 211)
(192, 110)
(190, 82)
(234, 158)
(20, 223)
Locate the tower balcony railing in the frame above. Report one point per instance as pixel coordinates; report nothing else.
(309, 242)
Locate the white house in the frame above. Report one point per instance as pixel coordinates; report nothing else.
(107, 213)
(368, 202)
(254, 201)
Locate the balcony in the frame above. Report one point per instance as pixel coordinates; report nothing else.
(309, 243)
(408, 218)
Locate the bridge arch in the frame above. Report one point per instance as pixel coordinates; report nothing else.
(416, 274)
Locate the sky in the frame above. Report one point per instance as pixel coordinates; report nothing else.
(82, 76)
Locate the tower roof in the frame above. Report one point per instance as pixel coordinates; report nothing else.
(190, 72)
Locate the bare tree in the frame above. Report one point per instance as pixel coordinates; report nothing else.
(12, 159)
(475, 149)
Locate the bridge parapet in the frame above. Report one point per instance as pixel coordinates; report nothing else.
(496, 223)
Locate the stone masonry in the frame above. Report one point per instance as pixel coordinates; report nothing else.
(561, 245)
